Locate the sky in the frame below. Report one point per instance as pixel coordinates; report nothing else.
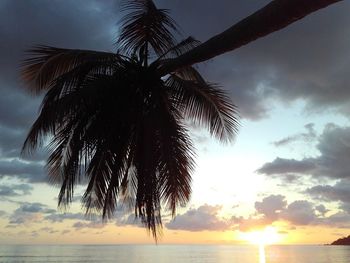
(287, 170)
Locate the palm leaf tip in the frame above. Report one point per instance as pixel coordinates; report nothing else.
(145, 25)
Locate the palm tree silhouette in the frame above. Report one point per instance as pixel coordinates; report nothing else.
(119, 120)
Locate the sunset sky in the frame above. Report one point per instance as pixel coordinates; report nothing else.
(288, 169)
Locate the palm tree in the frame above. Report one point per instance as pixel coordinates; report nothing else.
(115, 121)
(118, 120)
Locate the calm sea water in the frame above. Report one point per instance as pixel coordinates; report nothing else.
(175, 254)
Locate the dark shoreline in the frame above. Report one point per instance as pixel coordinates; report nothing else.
(345, 241)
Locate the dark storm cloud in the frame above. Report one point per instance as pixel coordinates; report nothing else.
(332, 162)
(308, 60)
(11, 141)
(72, 24)
(29, 171)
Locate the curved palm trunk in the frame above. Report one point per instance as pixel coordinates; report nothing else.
(274, 16)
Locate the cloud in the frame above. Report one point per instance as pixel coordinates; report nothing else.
(300, 212)
(60, 217)
(271, 206)
(332, 162)
(29, 171)
(64, 232)
(48, 230)
(308, 136)
(274, 208)
(35, 208)
(321, 209)
(334, 147)
(340, 220)
(345, 207)
(34, 233)
(124, 218)
(283, 166)
(271, 209)
(15, 189)
(29, 213)
(204, 218)
(81, 225)
(340, 191)
(296, 213)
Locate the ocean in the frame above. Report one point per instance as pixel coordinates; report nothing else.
(174, 254)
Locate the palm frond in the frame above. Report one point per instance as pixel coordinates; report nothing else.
(46, 63)
(146, 158)
(206, 105)
(176, 157)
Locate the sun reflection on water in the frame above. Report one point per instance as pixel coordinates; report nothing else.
(262, 257)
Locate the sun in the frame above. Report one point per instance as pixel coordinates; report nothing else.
(267, 236)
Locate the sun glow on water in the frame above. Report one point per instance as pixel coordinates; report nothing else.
(267, 236)
(262, 257)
